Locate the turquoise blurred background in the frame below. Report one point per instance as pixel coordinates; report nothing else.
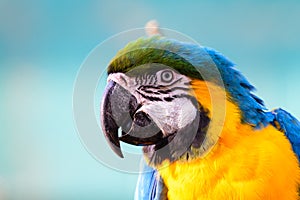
(44, 43)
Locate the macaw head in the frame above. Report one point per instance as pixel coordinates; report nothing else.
(158, 96)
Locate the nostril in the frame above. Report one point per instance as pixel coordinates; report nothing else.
(141, 119)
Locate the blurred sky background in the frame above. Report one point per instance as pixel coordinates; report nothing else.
(43, 44)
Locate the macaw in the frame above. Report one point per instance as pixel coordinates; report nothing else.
(205, 135)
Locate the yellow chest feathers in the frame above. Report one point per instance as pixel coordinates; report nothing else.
(259, 165)
(244, 164)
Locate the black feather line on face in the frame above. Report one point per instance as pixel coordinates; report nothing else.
(151, 98)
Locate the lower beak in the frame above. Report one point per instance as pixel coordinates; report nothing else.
(119, 111)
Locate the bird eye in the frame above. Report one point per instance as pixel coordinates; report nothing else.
(167, 76)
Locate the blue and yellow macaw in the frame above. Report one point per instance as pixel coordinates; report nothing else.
(205, 134)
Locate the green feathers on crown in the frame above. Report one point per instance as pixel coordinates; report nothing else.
(154, 49)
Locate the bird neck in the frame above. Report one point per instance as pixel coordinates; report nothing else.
(225, 116)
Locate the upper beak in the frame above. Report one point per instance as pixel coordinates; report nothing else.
(120, 109)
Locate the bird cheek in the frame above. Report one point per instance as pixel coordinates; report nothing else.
(164, 116)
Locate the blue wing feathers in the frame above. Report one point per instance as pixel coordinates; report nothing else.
(288, 124)
(150, 185)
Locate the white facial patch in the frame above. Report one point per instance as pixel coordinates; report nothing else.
(171, 116)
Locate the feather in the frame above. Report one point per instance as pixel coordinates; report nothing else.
(150, 185)
(290, 126)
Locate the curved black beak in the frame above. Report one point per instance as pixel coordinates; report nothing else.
(109, 126)
(119, 109)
